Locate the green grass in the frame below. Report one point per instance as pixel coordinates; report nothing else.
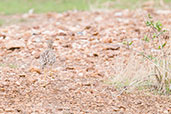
(167, 1)
(22, 6)
(40, 6)
(2, 22)
(12, 66)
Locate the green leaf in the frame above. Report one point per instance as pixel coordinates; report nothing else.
(149, 16)
(154, 35)
(146, 38)
(125, 43)
(158, 26)
(164, 31)
(164, 45)
(148, 23)
(130, 43)
(152, 24)
(159, 47)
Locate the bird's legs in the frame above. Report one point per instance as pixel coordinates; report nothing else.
(45, 73)
(44, 77)
(48, 72)
(51, 72)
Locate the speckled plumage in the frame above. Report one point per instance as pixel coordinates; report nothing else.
(48, 58)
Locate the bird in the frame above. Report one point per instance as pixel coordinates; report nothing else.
(47, 57)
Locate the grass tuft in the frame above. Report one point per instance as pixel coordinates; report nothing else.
(154, 71)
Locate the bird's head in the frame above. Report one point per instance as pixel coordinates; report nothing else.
(49, 43)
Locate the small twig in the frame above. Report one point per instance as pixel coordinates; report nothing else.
(151, 61)
(126, 87)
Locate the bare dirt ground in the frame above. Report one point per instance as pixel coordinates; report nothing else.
(88, 48)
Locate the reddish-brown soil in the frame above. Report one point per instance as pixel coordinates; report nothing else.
(88, 48)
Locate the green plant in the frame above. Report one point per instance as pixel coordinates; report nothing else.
(2, 65)
(157, 54)
(161, 60)
(12, 66)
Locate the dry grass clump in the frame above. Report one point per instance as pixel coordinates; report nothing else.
(153, 69)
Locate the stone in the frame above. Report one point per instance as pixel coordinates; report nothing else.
(14, 44)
